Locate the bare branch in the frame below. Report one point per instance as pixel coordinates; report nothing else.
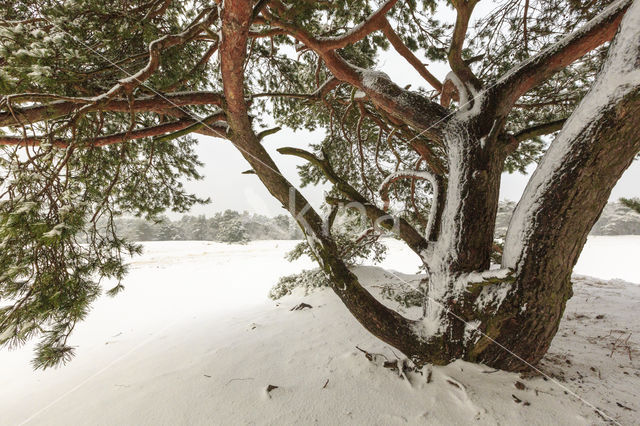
(406, 53)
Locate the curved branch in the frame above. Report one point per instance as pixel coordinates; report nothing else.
(413, 174)
(406, 232)
(459, 66)
(388, 325)
(369, 25)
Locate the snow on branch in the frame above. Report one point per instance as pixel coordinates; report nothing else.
(584, 138)
(410, 107)
(538, 68)
(155, 48)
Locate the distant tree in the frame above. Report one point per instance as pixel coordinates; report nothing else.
(142, 231)
(232, 231)
(167, 231)
(100, 98)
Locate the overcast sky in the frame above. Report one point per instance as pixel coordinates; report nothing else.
(229, 189)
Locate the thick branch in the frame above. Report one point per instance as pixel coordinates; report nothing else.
(171, 131)
(597, 143)
(157, 103)
(458, 65)
(539, 68)
(409, 107)
(385, 323)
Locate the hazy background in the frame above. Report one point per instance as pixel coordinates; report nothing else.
(229, 189)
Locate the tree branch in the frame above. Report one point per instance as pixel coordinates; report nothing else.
(539, 130)
(157, 103)
(599, 141)
(414, 174)
(170, 131)
(369, 25)
(539, 68)
(319, 94)
(413, 238)
(155, 48)
(458, 65)
(409, 107)
(407, 54)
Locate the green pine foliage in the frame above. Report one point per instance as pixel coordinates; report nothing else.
(632, 203)
(356, 243)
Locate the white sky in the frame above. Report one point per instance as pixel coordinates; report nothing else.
(229, 189)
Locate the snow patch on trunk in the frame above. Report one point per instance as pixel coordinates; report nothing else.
(619, 77)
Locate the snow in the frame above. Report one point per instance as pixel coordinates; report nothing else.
(478, 277)
(193, 340)
(359, 95)
(493, 295)
(460, 87)
(564, 41)
(619, 253)
(55, 232)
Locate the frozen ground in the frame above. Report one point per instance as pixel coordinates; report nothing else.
(193, 340)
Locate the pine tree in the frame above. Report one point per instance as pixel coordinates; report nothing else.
(101, 99)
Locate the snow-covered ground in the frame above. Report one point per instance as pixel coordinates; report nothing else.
(194, 340)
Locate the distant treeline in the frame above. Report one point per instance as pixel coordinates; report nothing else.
(616, 219)
(232, 226)
(228, 226)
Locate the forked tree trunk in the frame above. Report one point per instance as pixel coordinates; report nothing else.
(549, 228)
(562, 201)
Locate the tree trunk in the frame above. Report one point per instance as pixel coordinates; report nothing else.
(562, 201)
(504, 324)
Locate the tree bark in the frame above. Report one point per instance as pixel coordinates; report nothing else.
(562, 201)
